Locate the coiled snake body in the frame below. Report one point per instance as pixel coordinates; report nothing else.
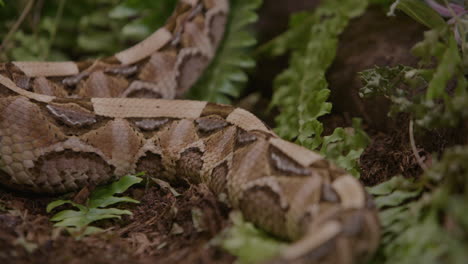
(66, 125)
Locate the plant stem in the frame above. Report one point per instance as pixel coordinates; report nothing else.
(413, 147)
(58, 17)
(17, 24)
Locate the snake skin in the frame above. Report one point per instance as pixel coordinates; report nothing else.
(65, 125)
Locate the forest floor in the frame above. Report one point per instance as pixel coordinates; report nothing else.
(162, 228)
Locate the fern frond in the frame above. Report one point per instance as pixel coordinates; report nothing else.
(226, 77)
(301, 91)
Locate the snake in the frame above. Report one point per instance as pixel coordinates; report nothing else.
(67, 125)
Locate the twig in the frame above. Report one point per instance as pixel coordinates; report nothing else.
(17, 24)
(413, 147)
(58, 17)
(37, 18)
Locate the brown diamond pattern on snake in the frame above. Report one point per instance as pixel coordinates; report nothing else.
(217, 109)
(71, 81)
(302, 195)
(244, 137)
(218, 178)
(42, 85)
(321, 254)
(25, 130)
(72, 115)
(101, 85)
(177, 135)
(22, 81)
(144, 93)
(284, 164)
(209, 4)
(264, 198)
(69, 170)
(248, 164)
(125, 70)
(353, 222)
(209, 124)
(316, 245)
(84, 103)
(151, 164)
(217, 23)
(159, 66)
(355, 228)
(5, 92)
(329, 194)
(219, 145)
(190, 164)
(151, 124)
(190, 68)
(194, 38)
(24, 122)
(351, 192)
(142, 89)
(119, 141)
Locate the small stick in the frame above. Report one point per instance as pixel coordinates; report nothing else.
(413, 147)
(17, 24)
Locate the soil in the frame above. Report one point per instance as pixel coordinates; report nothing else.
(162, 229)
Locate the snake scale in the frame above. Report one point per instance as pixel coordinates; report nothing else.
(65, 125)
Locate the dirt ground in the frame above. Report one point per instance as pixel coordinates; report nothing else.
(162, 229)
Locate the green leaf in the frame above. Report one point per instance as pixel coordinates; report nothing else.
(226, 76)
(422, 13)
(395, 198)
(391, 185)
(78, 221)
(51, 206)
(122, 12)
(249, 244)
(103, 196)
(444, 71)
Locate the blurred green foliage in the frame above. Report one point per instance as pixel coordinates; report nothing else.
(84, 29)
(425, 220)
(435, 93)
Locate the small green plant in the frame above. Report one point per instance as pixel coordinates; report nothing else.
(76, 30)
(77, 222)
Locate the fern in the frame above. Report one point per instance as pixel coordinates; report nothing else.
(301, 91)
(345, 146)
(426, 226)
(87, 28)
(78, 222)
(226, 75)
